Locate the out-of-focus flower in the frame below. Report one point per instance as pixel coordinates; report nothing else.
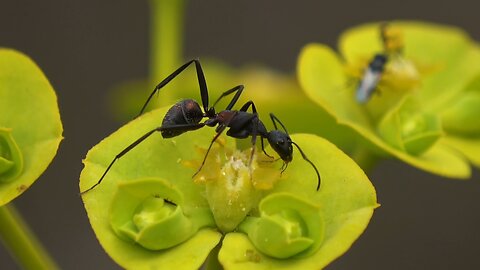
(30, 125)
(424, 105)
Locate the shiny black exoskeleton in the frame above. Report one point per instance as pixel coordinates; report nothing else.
(186, 115)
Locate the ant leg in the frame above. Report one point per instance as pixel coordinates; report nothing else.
(247, 105)
(254, 139)
(311, 163)
(274, 118)
(270, 161)
(220, 129)
(263, 148)
(201, 82)
(254, 121)
(254, 110)
(138, 141)
(237, 90)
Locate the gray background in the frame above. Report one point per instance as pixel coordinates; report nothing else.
(85, 47)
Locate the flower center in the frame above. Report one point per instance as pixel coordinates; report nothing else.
(234, 181)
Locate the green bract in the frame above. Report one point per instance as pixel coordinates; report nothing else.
(11, 160)
(139, 213)
(149, 213)
(408, 128)
(30, 126)
(288, 226)
(427, 98)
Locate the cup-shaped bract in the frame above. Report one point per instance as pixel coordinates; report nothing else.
(409, 129)
(288, 226)
(30, 125)
(11, 159)
(149, 212)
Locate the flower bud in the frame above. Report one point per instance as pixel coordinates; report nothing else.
(409, 129)
(149, 213)
(288, 226)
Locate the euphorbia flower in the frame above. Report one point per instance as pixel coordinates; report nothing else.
(149, 213)
(426, 104)
(30, 126)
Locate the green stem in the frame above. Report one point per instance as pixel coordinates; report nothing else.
(20, 241)
(364, 158)
(212, 262)
(166, 37)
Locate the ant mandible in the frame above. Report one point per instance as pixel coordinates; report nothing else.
(186, 115)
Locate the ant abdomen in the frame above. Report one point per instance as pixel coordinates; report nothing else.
(186, 111)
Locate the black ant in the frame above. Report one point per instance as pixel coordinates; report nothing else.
(186, 115)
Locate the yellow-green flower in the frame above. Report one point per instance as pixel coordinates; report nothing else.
(149, 213)
(30, 125)
(424, 110)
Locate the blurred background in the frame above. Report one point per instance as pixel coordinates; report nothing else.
(87, 47)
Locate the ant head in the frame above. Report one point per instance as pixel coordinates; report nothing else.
(282, 144)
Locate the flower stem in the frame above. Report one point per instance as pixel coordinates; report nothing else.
(20, 241)
(166, 36)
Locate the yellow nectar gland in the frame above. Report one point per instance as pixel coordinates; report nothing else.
(401, 75)
(235, 168)
(233, 182)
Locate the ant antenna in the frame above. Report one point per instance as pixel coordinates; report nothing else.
(311, 163)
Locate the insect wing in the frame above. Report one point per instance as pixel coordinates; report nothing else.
(367, 85)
